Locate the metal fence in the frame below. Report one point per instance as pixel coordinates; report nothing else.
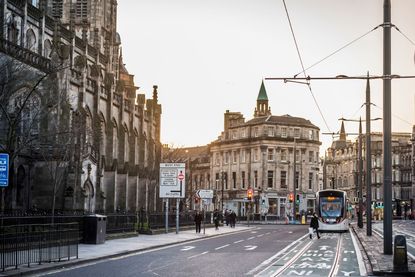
(120, 223)
(37, 243)
(158, 220)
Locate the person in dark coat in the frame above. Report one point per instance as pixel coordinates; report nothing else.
(198, 221)
(232, 218)
(314, 225)
(216, 217)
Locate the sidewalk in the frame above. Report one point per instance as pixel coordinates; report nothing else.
(119, 247)
(376, 262)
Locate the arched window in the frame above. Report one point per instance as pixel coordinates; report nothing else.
(47, 48)
(126, 145)
(12, 31)
(31, 40)
(88, 129)
(114, 140)
(26, 108)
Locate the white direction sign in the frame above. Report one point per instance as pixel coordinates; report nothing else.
(204, 193)
(172, 180)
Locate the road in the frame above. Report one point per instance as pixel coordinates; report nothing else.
(269, 250)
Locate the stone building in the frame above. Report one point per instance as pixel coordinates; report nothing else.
(259, 154)
(86, 139)
(341, 167)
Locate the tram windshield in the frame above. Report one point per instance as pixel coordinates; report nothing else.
(331, 206)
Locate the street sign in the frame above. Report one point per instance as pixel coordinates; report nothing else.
(204, 193)
(172, 180)
(4, 170)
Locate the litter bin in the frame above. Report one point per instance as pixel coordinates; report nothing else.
(95, 229)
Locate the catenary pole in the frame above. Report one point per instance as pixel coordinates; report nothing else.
(368, 163)
(387, 161)
(359, 176)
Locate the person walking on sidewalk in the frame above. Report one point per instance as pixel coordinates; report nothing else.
(198, 221)
(232, 218)
(314, 226)
(216, 219)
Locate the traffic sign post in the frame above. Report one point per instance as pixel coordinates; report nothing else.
(4, 170)
(172, 185)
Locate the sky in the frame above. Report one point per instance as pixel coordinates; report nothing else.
(209, 56)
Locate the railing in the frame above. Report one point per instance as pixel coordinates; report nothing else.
(25, 55)
(37, 243)
(120, 223)
(157, 220)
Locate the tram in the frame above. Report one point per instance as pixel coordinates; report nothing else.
(332, 210)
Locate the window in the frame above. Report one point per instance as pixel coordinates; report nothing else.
(297, 175)
(283, 179)
(297, 155)
(256, 132)
(270, 154)
(243, 133)
(310, 156)
(256, 155)
(310, 134)
(31, 40)
(234, 179)
(283, 155)
(234, 134)
(270, 178)
(217, 180)
(255, 178)
(284, 132)
(225, 180)
(226, 158)
(82, 8)
(310, 180)
(243, 179)
(234, 157)
(243, 157)
(296, 132)
(270, 131)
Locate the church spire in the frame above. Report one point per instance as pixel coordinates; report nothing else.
(342, 132)
(262, 108)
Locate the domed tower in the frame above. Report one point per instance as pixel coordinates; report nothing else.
(262, 108)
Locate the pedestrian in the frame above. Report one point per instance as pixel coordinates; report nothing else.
(216, 219)
(232, 218)
(227, 217)
(314, 226)
(198, 221)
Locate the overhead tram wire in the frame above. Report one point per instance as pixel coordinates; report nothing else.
(394, 115)
(341, 48)
(302, 66)
(397, 29)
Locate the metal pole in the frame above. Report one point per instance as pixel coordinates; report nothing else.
(359, 178)
(204, 217)
(222, 193)
(167, 214)
(368, 164)
(177, 215)
(387, 161)
(294, 177)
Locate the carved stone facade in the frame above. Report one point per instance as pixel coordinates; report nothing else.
(69, 54)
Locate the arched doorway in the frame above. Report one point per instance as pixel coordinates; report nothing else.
(89, 196)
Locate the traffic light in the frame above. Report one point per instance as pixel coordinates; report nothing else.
(291, 197)
(250, 193)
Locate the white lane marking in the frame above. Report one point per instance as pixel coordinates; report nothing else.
(254, 232)
(362, 268)
(238, 241)
(250, 247)
(259, 236)
(223, 246)
(186, 248)
(268, 233)
(250, 238)
(270, 259)
(197, 255)
(290, 232)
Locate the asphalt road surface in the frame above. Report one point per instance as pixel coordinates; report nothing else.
(235, 254)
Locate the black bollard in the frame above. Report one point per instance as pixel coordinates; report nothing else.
(400, 256)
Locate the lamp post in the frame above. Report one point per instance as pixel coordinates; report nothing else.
(222, 190)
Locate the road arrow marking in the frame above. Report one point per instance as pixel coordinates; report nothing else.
(250, 247)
